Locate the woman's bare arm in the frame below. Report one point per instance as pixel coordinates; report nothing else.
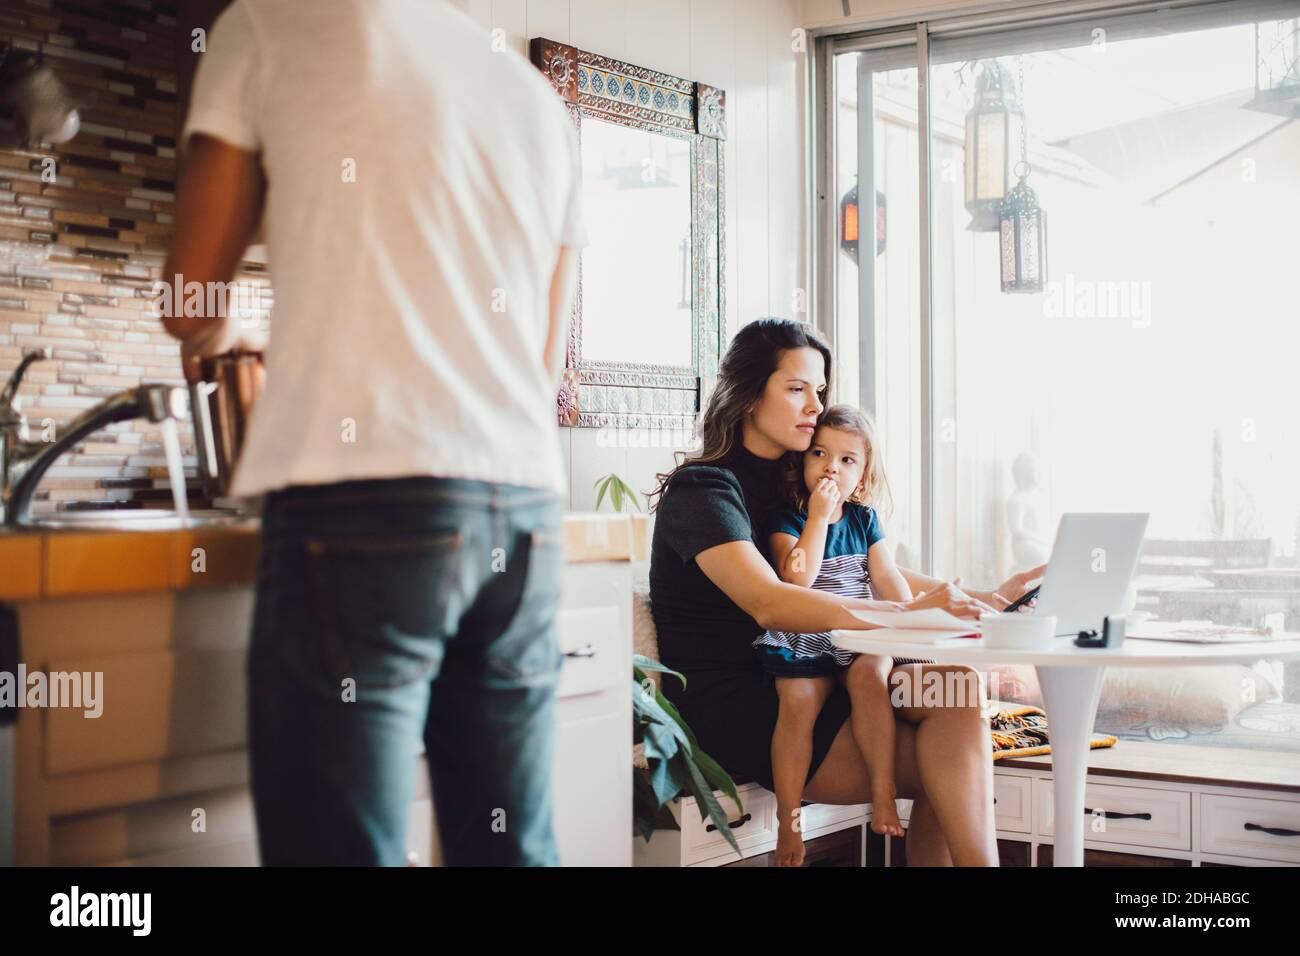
(742, 574)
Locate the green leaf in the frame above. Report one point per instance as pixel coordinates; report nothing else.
(641, 663)
(630, 492)
(705, 799)
(648, 706)
(660, 741)
(667, 706)
(600, 497)
(717, 778)
(664, 782)
(660, 749)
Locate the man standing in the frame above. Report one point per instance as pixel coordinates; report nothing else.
(421, 195)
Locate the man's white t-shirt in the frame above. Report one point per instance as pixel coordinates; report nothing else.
(421, 186)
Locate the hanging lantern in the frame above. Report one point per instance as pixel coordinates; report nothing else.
(849, 223)
(1022, 225)
(1277, 68)
(849, 227)
(994, 124)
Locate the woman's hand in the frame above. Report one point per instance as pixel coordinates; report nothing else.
(950, 598)
(1013, 587)
(822, 501)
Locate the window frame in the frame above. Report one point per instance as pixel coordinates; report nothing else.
(908, 39)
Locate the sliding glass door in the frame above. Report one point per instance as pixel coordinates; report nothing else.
(1154, 367)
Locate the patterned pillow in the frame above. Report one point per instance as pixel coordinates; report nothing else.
(1200, 699)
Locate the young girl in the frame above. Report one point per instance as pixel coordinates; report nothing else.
(830, 538)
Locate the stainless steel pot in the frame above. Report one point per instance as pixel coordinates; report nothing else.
(221, 404)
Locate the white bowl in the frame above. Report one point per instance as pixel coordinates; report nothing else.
(1018, 630)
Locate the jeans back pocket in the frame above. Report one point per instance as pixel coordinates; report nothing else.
(528, 650)
(384, 606)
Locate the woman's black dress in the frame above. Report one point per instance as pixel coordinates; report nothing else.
(729, 702)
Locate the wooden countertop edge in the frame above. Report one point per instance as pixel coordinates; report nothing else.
(74, 563)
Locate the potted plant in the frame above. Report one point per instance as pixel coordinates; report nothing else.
(619, 492)
(676, 762)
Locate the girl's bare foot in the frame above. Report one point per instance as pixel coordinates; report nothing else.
(884, 814)
(789, 842)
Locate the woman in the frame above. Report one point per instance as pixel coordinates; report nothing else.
(712, 592)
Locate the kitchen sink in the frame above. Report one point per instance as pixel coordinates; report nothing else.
(137, 519)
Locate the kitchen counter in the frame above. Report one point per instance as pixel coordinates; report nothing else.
(162, 618)
(61, 562)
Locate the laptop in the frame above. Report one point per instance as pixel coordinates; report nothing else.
(1087, 578)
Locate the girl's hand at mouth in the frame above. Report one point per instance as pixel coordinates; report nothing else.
(822, 502)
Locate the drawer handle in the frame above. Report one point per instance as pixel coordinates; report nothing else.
(586, 650)
(1116, 815)
(730, 826)
(1276, 831)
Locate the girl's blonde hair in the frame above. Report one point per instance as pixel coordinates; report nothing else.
(874, 489)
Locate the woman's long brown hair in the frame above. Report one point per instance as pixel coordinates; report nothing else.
(751, 358)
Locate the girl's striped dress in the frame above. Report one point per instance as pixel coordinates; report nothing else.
(843, 571)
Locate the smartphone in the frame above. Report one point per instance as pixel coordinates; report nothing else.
(1021, 601)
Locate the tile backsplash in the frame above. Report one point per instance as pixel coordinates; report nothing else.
(84, 229)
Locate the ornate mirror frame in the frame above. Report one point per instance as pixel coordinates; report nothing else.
(596, 393)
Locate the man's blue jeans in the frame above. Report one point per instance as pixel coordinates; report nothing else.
(394, 615)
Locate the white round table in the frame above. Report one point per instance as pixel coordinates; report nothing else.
(1070, 678)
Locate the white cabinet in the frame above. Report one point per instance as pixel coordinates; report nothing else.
(699, 843)
(593, 753)
(593, 792)
(1189, 819)
(122, 789)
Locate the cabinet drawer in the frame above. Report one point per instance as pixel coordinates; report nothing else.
(1137, 816)
(702, 841)
(154, 706)
(1232, 826)
(593, 641)
(819, 815)
(1011, 803)
(144, 830)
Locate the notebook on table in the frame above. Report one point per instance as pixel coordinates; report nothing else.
(930, 626)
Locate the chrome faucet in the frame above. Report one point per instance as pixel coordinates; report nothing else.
(23, 462)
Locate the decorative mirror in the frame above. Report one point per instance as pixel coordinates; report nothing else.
(646, 330)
